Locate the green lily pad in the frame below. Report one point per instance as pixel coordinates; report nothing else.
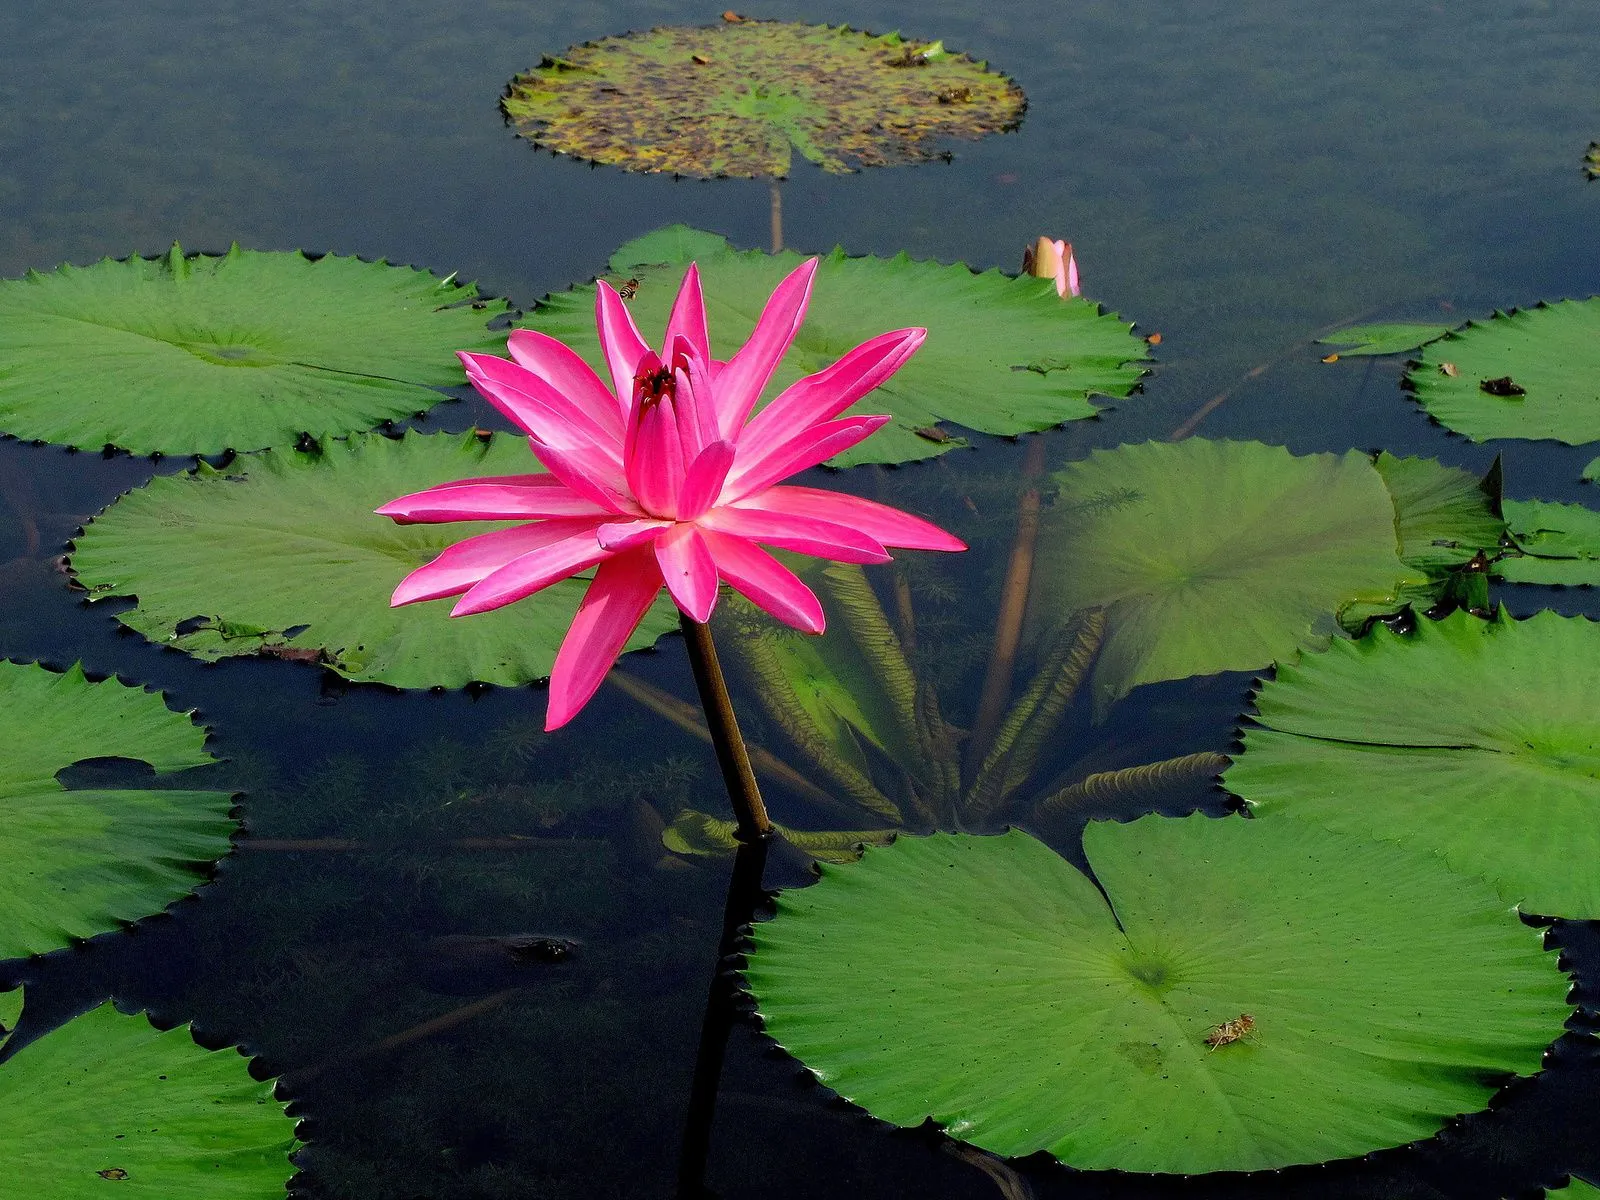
(985, 983)
(1576, 1189)
(1004, 355)
(196, 355)
(1477, 739)
(1560, 543)
(737, 98)
(1530, 373)
(10, 1010)
(1215, 556)
(280, 554)
(108, 1105)
(1392, 338)
(1445, 518)
(78, 863)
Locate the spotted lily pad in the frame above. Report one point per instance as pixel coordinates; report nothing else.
(280, 554)
(1358, 341)
(1560, 543)
(1477, 739)
(1004, 355)
(1243, 995)
(194, 355)
(1530, 373)
(1215, 556)
(738, 98)
(78, 862)
(108, 1105)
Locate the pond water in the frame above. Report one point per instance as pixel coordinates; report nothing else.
(1238, 177)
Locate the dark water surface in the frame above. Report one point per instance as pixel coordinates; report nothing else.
(1236, 176)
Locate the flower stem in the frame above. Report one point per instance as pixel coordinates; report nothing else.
(732, 757)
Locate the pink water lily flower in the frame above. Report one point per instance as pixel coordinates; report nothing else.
(665, 479)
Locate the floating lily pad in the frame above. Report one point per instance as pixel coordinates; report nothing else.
(1245, 994)
(78, 863)
(1530, 373)
(1576, 1189)
(177, 355)
(1393, 338)
(737, 98)
(1445, 518)
(280, 554)
(1560, 543)
(1478, 739)
(1004, 355)
(1215, 556)
(108, 1105)
(1444, 515)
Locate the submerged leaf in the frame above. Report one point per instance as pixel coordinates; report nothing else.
(1477, 739)
(736, 98)
(700, 835)
(282, 551)
(1560, 544)
(1003, 355)
(79, 862)
(1530, 373)
(198, 355)
(1360, 340)
(106, 1104)
(985, 983)
(1214, 556)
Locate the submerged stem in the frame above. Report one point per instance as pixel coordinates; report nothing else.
(777, 217)
(732, 756)
(1013, 603)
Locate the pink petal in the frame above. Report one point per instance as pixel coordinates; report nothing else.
(462, 565)
(606, 489)
(612, 608)
(532, 572)
(692, 401)
(888, 525)
(625, 535)
(781, 459)
(537, 407)
(703, 484)
(688, 319)
(619, 339)
(825, 395)
(653, 459)
(764, 580)
(786, 531)
(504, 498)
(740, 382)
(689, 571)
(559, 365)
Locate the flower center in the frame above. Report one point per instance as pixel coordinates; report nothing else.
(653, 385)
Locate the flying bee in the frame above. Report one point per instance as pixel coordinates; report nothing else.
(629, 289)
(1231, 1031)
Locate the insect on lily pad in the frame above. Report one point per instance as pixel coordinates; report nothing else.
(738, 98)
